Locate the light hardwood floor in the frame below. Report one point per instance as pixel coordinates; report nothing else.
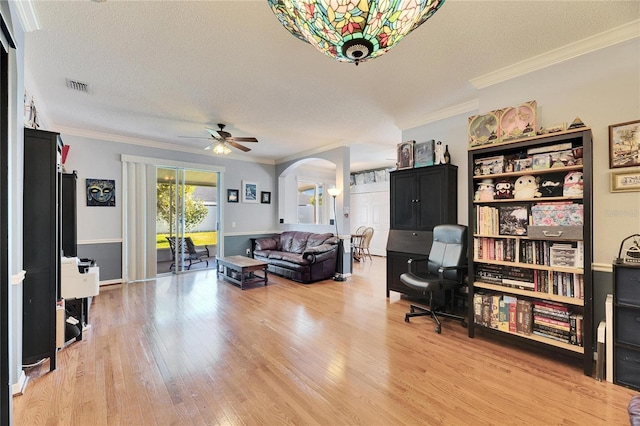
(194, 350)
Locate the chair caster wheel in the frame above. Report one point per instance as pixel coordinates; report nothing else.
(438, 330)
(464, 324)
(411, 309)
(406, 318)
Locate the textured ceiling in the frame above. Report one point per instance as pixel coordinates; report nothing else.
(159, 70)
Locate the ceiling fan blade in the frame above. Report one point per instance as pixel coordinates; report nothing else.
(237, 145)
(242, 139)
(195, 137)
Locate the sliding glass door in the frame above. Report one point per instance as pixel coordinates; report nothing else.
(187, 219)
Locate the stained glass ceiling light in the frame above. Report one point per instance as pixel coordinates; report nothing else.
(353, 30)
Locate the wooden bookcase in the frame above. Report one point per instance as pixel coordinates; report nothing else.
(548, 268)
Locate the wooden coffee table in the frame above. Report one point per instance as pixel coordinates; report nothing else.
(241, 270)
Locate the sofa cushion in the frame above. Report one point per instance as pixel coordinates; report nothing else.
(293, 241)
(318, 239)
(268, 243)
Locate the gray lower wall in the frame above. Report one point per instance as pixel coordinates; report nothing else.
(235, 245)
(108, 256)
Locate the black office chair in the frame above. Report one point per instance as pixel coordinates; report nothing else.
(446, 270)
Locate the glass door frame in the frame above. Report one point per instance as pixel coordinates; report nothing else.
(178, 183)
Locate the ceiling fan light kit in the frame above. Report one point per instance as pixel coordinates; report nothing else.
(222, 141)
(353, 30)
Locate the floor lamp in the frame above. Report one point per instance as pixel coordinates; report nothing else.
(334, 192)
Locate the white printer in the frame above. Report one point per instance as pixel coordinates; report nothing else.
(77, 285)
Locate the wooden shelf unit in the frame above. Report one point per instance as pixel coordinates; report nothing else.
(581, 306)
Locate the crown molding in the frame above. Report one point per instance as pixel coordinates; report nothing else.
(27, 14)
(452, 111)
(590, 44)
(90, 134)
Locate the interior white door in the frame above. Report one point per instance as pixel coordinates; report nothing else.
(372, 209)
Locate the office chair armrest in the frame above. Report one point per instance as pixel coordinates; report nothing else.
(410, 262)
(450, 268)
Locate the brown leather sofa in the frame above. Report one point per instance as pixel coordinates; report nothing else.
(300, 256)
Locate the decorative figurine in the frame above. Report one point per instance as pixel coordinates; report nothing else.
(439, 153)
(526, 187)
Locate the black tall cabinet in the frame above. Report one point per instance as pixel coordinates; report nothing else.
(420, 199)
(41, 246)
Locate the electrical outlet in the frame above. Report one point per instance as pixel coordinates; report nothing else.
(248, 251)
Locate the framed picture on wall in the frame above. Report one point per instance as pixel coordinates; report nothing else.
(249, 192)
(101, 192)
(232, 196)
(265, 197)
(624, 144)
(625, 180)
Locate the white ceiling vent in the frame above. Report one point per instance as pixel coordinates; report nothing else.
(78, 85)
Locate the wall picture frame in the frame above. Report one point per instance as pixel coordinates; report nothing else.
(265, 197)
(233, 196)
(625, 180)
(101, 192)
(249, 192)
(405, 155)
(624, 144)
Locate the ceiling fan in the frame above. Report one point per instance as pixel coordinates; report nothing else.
(223, 138)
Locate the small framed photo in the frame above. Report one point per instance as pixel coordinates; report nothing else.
(624, 144)
(625, 181)
(405, 155)
(265, 197)
(232, 195)
(423, 153)
(249, 192)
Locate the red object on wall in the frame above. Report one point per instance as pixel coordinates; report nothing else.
(65, 151)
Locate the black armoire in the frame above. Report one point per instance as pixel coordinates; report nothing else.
(421, 198)
(41, 246)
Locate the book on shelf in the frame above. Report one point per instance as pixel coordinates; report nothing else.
(513, 219)
(513, 316)
(495, 310)
(523, 317)
(477, 307)
(503, 315)
(486, 220)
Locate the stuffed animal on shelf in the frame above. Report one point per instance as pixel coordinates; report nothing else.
(485, 191)
(573, 184)
(504, 189)
(551, 185)
(526, 187)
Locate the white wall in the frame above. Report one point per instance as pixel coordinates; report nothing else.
(602, 88)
